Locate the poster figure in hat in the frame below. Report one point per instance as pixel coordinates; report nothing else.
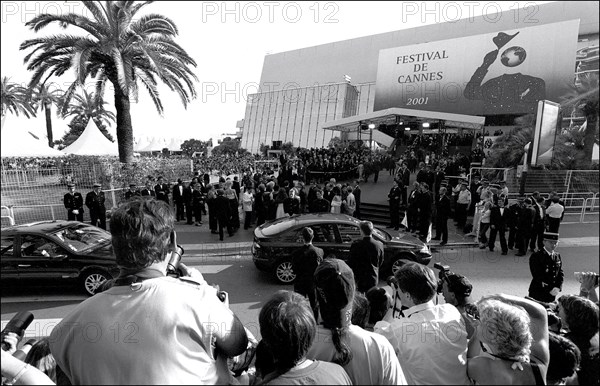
(507, 93)
(546, 269)
(94, 200)
(74, 203)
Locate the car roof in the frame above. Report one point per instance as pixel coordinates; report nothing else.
(301, 220)
(50, 226)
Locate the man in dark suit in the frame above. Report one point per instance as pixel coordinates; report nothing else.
(197, 203)
(162, 190)
(539, 224)
(305, 261)
(546, 271)
(499, 218)
(357, 193)
(148, 191)
(413, 207)
(94, 200)
(223, 211)
(235, 185)
(425, 211)
(178, 200)
(74, 203)
(319, 205)
(132, 191)
(188, 192)
(403, 176)
(366, 257)
(442, 212)
(525, 227)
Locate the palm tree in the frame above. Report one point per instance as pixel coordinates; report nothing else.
(44, 97)
(584, 98)
(15, 99)
(89, 106)
(116, 48)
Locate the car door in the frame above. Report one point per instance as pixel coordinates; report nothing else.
(348, 233)
(42, 258)
(8, 259)
(325, 238)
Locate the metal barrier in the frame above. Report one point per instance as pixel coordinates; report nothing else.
(591, 206)
(10, 216)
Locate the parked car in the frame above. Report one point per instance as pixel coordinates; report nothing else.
(65, 251)
(274, 243)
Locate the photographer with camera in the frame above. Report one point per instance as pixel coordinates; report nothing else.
(148, 328)
(430, 340)
(456, 290)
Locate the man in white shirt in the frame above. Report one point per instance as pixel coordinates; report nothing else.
(430, 340)
(462, 204)
(555, 213)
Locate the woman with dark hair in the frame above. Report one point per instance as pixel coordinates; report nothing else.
(258, 205)
(41, 358)
(368, 358)
(336, 201)
(288, 327)
(579, 316)
(279, 199)
(291, 204)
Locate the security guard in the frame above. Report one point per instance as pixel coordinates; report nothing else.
(395, 197)
(94, 200)
(546, 269)
(74, 203)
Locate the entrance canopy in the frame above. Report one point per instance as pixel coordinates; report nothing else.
(395, 115)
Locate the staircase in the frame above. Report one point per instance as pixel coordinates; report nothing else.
(378, 214)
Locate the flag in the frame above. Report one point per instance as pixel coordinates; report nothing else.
(405, 221)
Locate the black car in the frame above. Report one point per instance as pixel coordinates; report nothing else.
(58, 250)
(274, 243)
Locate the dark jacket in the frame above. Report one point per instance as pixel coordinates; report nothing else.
(319, 206)
(500, 221)
(404, 177)
(442, 207)
(222, 208)
(147, 192)
(305, 261)
(366, 256)
(162, 192)
(526, 219)
(178, 197)
(74, 201)
(95, 201)
(425, 204)
(547, 273)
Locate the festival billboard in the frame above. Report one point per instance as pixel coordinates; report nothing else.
(504, 72)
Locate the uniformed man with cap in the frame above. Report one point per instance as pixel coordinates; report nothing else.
(546, 269)
(74, 203)
(132, 191)
(94, 200)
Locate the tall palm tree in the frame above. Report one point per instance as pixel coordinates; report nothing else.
(89, 106)
(116, 48)
(584, 98)
(44, 97)
(15, 99)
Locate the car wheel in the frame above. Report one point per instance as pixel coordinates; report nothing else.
(284, 272)
(398, 263)
(91, 280)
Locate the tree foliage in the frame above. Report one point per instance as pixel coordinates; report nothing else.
(16, 99)
(191, 146)
(228, 146)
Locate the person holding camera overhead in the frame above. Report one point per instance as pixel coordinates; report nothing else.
(148, 328)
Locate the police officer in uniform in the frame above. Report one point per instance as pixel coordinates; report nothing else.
(74, 203)
(546, 269)
(94, 200)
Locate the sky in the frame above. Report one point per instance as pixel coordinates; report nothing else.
(229, 41)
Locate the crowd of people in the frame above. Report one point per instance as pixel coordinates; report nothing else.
(162, 322)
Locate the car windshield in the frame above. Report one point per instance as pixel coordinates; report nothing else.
(82, 237)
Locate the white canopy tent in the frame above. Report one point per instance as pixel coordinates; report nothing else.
(157, 144)
(19, 142)
(175, 144)
(141, 143)
(92, 142)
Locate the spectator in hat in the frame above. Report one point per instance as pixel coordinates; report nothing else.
(366, 257)
(74, 203)
(368, 358)
(288, 329)
(94, 200)
(435, 350)
(132, 191)
(305, 261)
(546, 271)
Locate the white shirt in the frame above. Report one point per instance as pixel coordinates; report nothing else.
(247, 199)
(464, 197)
(373, 362)
(431, 344)
(555, 210)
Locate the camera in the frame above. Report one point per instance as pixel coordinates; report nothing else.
(444, 271)
(18, 324)
(174, 261)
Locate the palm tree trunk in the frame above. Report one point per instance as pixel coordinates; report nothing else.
(590, 139)
(48, 111)
(124, 127)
